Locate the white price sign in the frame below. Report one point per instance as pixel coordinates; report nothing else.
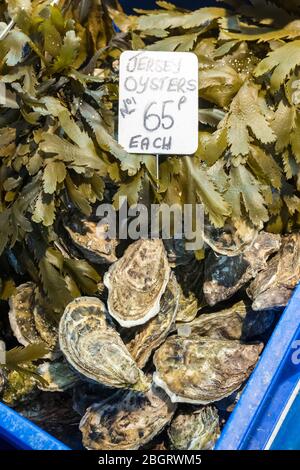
(158, 102)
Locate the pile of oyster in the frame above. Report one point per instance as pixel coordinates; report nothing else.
(159, 357)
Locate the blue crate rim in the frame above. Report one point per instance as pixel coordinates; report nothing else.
(23, 434)
(241, 423)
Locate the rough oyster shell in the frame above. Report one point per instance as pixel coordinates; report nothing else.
(176, 252)
(190, 279)
(95, 349)
(225, 275)
(46, 324)
(21, 314)
(195, 429)
(188, 307)
(126, 421)
(86, 236)
(152, 334)
(237, 322)
(58, 375)
(2, 375)
(136, 283)
(273, 286)
(30, 320)
(203, 370)
(229, 240)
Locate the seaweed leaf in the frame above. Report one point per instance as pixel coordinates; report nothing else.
(243, 183)
(281, 63)
(245, 114)
(30, 353)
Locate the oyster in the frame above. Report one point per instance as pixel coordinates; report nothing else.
(225, 275)
(127, 420)
(95, 349)
(2, 380)
(46, 323)
(2, 361)
(203, 370)
(274, 285)
(237, 322)
(188, 307)
(21, 317)
(176, 252)
(30, 320)
(89, 237)
(58, 375)
(152, 334)
(136, 283)
(229, 240)
(190, 279)
(195, 429)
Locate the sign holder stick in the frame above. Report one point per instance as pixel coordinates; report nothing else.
(157, 171)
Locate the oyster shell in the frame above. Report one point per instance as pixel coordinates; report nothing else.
(225, 275)
(136, 283)
(274, 285)
(195, 429)
(188, 307)
(58, 375)
(21, 314)
(237, 322)
(229, 240)
(86, 236)
(176, 252)
(126, 421)
(30, 320)
(151, 335)
(46, 323)
(95, 349)
(2, 360)
(203, 370)
(190, 279)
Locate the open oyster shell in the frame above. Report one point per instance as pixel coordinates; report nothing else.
(59, 376)
(273, 286)
(30, 320)
(237, 322)
(127, 420)
(195, 429)
(86, 235)
(151, 335)
(203, 370)
(95, 349)
(136, 283)
(225, 275)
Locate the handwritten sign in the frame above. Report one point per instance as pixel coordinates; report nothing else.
(158, 102)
